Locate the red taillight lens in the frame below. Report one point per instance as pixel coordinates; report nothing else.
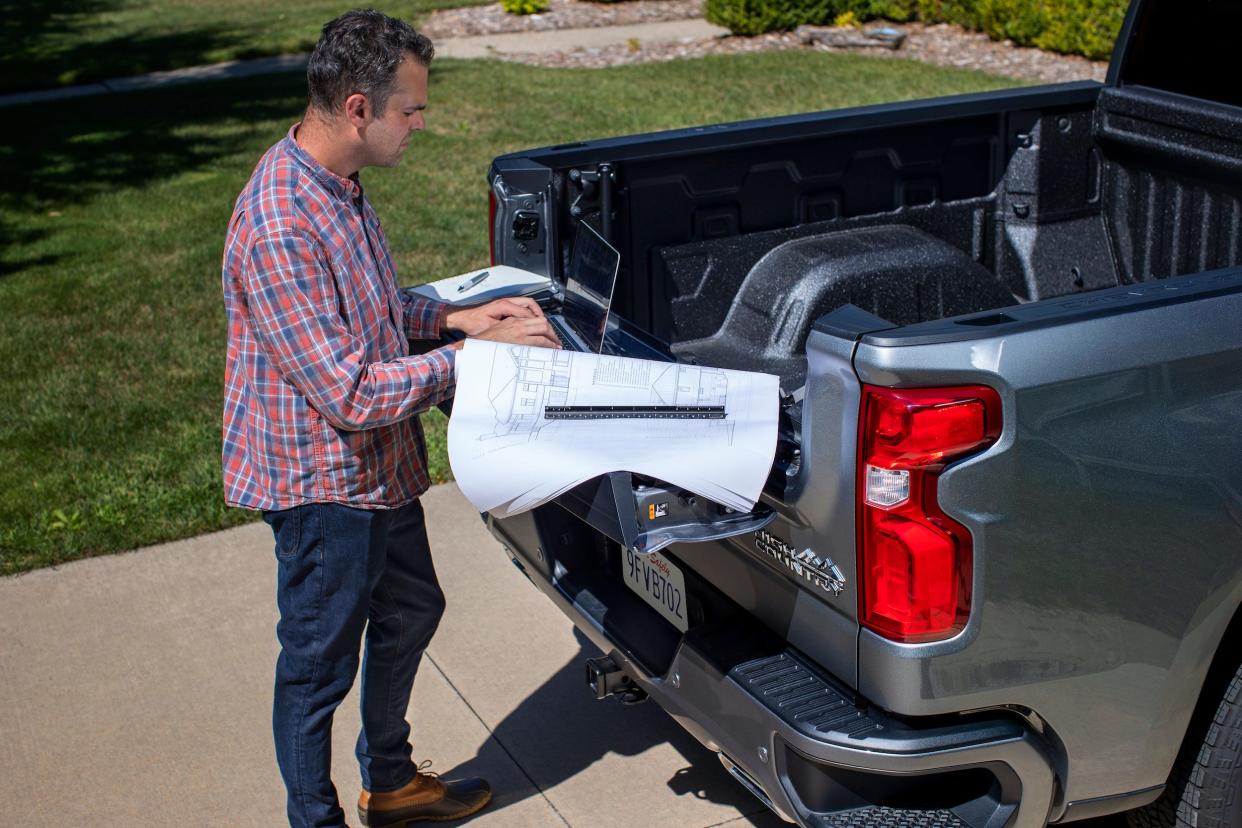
(915, 562)
(914, 586)
(491, 225)
(923, 428)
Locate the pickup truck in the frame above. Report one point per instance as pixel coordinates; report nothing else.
(994, 577)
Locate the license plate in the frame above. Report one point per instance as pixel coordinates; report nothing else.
(658, 582)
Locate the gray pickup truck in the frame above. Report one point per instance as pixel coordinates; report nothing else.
(995, 574)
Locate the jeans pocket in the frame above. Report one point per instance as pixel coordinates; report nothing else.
(287, 527)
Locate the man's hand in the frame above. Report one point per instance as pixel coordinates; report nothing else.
(523, 331)
(474, 321)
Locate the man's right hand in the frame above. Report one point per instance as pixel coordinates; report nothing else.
(515, 330)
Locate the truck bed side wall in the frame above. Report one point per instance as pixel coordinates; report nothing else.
(1107, 526)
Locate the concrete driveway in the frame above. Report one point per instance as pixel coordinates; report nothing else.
(135, 690)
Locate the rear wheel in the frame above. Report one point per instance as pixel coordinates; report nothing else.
(1205, 790)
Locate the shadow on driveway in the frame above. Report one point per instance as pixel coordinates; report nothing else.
(560, 730)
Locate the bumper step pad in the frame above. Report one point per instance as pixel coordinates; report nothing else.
(804, 699)
(827, 793)
(893, 818)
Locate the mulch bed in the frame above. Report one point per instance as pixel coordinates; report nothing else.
(561, 14)
(941, 44)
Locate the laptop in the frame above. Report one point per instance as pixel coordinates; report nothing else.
(589, 286)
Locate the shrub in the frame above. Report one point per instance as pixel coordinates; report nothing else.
(962, 12)
(752, 17)
(524, 6)
(899, 10)
(1083, 27)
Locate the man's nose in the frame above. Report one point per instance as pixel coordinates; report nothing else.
(417, 122)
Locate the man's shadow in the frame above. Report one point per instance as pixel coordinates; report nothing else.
(560, 730)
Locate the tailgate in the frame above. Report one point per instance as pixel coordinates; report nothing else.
(785, 571)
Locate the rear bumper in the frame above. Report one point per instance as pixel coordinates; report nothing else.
(857, 766)
(813, 751)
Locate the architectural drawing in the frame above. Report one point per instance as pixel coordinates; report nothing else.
(524, 380)
(508, 457)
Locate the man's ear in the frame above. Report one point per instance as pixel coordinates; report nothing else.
(358, 109)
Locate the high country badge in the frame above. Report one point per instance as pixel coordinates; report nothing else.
(805, 565)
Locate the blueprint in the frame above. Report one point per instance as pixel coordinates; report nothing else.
(508, 457)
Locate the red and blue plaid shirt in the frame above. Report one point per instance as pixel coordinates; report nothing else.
(321, 394)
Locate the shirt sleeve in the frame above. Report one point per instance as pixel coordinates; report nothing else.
(293, 303)
(423, 317)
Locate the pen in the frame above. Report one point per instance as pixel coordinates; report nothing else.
(474, 280)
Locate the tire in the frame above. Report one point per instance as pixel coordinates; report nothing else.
(1205, 788)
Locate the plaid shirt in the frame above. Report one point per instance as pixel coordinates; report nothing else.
(321, 395)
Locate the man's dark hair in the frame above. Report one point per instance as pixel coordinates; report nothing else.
(360, 52)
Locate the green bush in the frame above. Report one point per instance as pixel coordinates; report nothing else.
(752, 17)
(899, 10)
(964, 13)
(1083, 27)
(524, 6)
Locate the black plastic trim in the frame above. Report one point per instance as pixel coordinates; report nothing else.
(775, 130)
(882, 817)
(851, 322)
(1121, 46)
(810, 703)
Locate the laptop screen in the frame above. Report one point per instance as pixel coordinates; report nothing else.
(592, 277)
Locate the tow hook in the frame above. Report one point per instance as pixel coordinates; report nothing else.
(605, 678)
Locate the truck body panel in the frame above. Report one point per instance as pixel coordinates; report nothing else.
(1105, 521)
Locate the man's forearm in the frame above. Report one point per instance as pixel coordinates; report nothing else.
(384, 393)
(423, 318)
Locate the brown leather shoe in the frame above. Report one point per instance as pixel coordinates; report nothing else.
(425, 797)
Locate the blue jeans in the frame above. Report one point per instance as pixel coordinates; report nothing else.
(342, 571)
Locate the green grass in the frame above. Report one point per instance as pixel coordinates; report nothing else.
(48, 43)
(112, 229)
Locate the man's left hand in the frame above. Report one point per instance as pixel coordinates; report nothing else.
(474, 321)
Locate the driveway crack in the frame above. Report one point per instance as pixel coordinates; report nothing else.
(492, 735)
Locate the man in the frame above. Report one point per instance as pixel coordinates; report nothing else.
(320, 422)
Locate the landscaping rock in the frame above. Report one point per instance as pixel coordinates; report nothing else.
(848, 37)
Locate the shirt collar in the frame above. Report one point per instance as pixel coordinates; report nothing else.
(342, 188)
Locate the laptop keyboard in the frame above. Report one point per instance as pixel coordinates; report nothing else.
(564, 333)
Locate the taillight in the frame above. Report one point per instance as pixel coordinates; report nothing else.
(914, 561)
(491, 225)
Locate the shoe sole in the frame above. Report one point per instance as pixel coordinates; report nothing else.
(449, 818)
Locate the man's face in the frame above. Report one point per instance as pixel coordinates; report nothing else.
(388, 135)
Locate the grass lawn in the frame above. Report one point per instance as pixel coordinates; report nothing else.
(112, 229)
(47, 43)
